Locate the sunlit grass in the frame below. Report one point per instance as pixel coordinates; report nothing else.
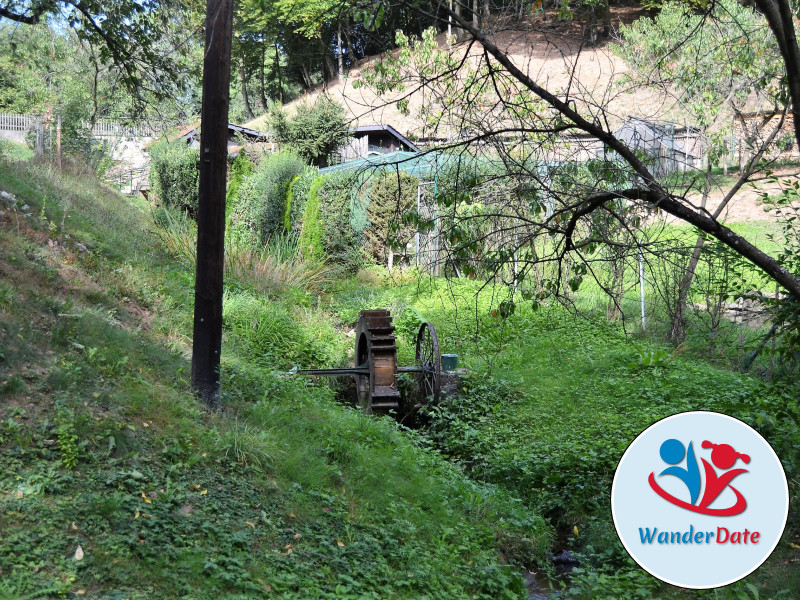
(271, 268)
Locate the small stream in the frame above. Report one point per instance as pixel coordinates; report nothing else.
(542, 587)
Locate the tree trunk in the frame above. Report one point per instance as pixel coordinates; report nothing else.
(476, 21)
(207, 337)
(617, 287)
(677, 333)
(350, 54)
(95, 107)
(262, 84)
(590, 33)
(781, 20)
(329, 67)
(306, 77)
(339, 56)
(459, 30)
(605, 18)
(278, 71)
(243, 77)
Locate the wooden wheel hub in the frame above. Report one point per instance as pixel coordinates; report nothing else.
(376, 348)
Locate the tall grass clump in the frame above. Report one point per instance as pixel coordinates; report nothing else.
(275, 266)
(276, 334)
(268, 268)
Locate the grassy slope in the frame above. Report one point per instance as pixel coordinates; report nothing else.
(289, 494)
(566, 397)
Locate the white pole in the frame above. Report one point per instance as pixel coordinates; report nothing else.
(641, 286)
(449, 25)
(516, 264)
(416, 235)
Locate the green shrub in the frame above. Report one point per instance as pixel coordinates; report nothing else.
(391, 196)
(241, 168)
(310, 241)
(174, 175)
(299, 189)
(260, 203)
(343, 222)
(334, 218)
(314, 132)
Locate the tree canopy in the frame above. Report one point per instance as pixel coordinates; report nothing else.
(142, 40)
(314, 132)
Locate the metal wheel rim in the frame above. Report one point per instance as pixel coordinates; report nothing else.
(429, 359)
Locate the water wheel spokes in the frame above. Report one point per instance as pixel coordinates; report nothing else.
(429, 363)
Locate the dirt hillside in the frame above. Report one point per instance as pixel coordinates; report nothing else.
(548, 50)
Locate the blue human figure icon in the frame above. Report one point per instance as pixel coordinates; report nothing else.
(672, 452)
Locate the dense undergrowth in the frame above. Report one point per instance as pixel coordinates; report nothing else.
(115, 484)
(551, 404)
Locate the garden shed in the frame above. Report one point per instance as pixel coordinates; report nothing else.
(671, 147)
(371, 140)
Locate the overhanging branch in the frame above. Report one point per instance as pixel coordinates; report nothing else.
(654, 194)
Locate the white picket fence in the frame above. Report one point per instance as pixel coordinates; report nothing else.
(117, 129)
(14, 122)
(11, 122)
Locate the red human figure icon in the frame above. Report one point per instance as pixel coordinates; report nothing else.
(724, 457)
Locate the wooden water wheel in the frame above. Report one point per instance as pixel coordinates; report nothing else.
(376, 348)
(375, 369)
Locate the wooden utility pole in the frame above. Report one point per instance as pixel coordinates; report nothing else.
(207, 340)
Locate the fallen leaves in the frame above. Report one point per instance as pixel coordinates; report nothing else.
(79, 553)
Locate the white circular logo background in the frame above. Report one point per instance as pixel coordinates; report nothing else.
(699, 500)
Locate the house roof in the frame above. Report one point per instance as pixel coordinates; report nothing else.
(191, 132)
(247, 131)
(419, 164)
(388, 129)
